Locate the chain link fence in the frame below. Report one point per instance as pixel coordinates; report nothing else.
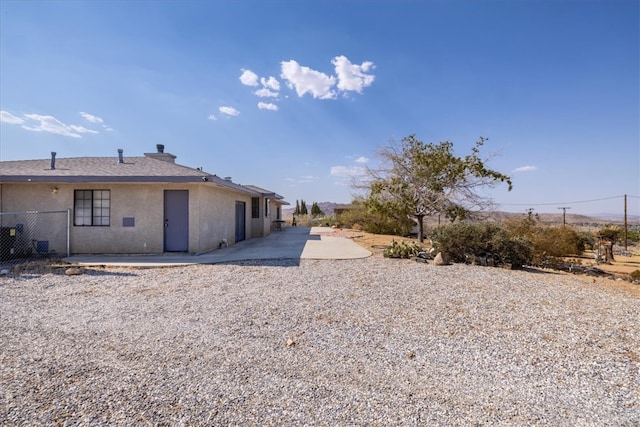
(33, 234)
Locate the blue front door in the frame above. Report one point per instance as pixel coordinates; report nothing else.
(176, 220)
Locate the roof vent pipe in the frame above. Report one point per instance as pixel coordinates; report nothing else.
(160, 148)
(53, 160)
(120, 159)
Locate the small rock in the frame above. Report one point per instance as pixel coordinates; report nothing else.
(74, 271)
(440, 259)
(290, 342)
(4, 272)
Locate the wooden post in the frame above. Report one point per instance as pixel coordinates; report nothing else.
(625, 223)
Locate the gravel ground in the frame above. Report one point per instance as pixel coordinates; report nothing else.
(360, 342)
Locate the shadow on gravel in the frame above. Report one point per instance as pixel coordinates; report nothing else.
(538, 271)
(274, 262)
(28, 275)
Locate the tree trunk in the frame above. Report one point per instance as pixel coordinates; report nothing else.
(420, 219)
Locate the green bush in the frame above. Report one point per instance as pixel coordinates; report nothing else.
(586, 240)
(466, 242)
(635, 274)
(633, 236)
(402, 250)
(360, 217)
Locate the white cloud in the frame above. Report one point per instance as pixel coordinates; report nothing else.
(525, 169)
(362, 160)
(271, 83)
(347, 171)
(45, 123)
(7, 117)
(352, 77)
(52, 125)
(229, 111)
(91, 118)
(267, 106)
(212, 117)
(265, 92)
(305, 80)
(82, 129)
(249, 78)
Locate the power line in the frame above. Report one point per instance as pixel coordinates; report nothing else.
(565, 203)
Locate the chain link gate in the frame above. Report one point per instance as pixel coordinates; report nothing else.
(33, 234)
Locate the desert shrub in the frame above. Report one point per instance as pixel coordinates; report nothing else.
(325, 221)
(374, 222)
(586, 240)
(635, 274)
(556, 242)
(549, 244)
(402, 250)
(633, 236)
(610, 232)
(465, 242)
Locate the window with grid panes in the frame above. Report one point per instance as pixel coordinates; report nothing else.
(92, 208)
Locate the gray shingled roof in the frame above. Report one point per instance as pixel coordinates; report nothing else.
(107, 169)
(96, 167)
(266, 193)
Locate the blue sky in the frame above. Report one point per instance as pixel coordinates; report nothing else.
(297, 97)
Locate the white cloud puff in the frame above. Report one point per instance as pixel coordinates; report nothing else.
(229, 111)
(249, 78)
(305, 80)
(91, 118)
(212, 117)
(525, 169)
(265, 92)
(270, 83)
(352, 77)
(267, 106)
(362, 160)
(7, 117)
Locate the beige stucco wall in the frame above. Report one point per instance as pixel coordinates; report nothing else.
(213, 210)
(263, 225)
(211, 214)
(31, 228)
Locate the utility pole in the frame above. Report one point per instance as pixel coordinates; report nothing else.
(564, 214)
(625, 223)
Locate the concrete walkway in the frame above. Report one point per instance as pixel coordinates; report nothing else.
(293, 243)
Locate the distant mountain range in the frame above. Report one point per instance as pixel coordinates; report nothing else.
(551, 218)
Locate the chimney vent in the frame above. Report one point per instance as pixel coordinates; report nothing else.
(120, 158)
(160, 148)
(53, 160)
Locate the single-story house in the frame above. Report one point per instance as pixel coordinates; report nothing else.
(147, 204)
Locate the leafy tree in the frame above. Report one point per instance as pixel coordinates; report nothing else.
(303, 208)
(418, 179)
(296, 211)
(315, 210)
